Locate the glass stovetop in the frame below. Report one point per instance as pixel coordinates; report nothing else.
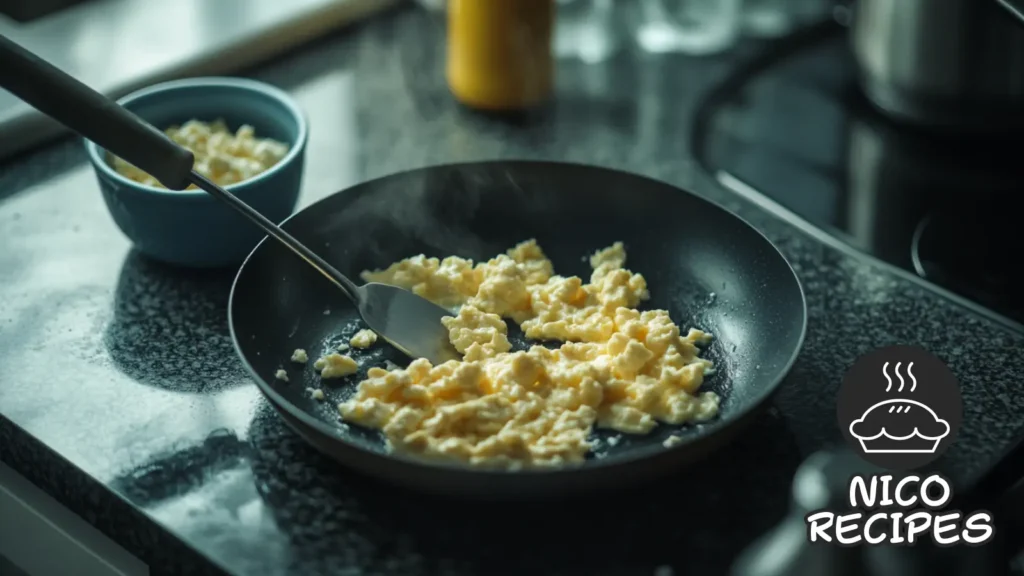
(938, 206)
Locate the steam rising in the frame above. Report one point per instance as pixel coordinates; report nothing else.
(438, 210)
(896, 370)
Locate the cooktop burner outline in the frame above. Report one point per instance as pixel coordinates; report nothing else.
(860, 183)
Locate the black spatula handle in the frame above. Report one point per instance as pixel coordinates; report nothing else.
(93, 115)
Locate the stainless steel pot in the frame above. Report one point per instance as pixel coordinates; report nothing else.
(952, 63)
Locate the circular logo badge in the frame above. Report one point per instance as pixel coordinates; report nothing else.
(899, 407)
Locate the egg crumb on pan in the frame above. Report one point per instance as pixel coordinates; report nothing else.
(299, 356)
(336, 365)
(618, 368)
(363, 339)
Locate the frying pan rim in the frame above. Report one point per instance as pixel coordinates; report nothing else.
(710, 429)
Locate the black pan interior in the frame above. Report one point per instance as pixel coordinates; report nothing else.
(707, 267)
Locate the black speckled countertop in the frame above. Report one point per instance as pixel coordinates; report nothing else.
(121, 396)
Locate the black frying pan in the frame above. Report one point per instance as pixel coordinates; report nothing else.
(707, 267)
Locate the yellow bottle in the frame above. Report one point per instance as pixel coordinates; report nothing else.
(499, 52)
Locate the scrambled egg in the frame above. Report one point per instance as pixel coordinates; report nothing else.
(281, 375)
(336, 365)
(299, 356)
(363, 339)
(618, 368)
(223, 157)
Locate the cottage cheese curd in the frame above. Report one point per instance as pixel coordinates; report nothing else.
(221, 156)
(618, 368)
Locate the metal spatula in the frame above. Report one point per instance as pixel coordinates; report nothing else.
(410, 323)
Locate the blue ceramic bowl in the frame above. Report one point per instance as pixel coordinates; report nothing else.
(190, 227)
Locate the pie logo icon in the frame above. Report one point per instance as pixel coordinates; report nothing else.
(900, 407)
